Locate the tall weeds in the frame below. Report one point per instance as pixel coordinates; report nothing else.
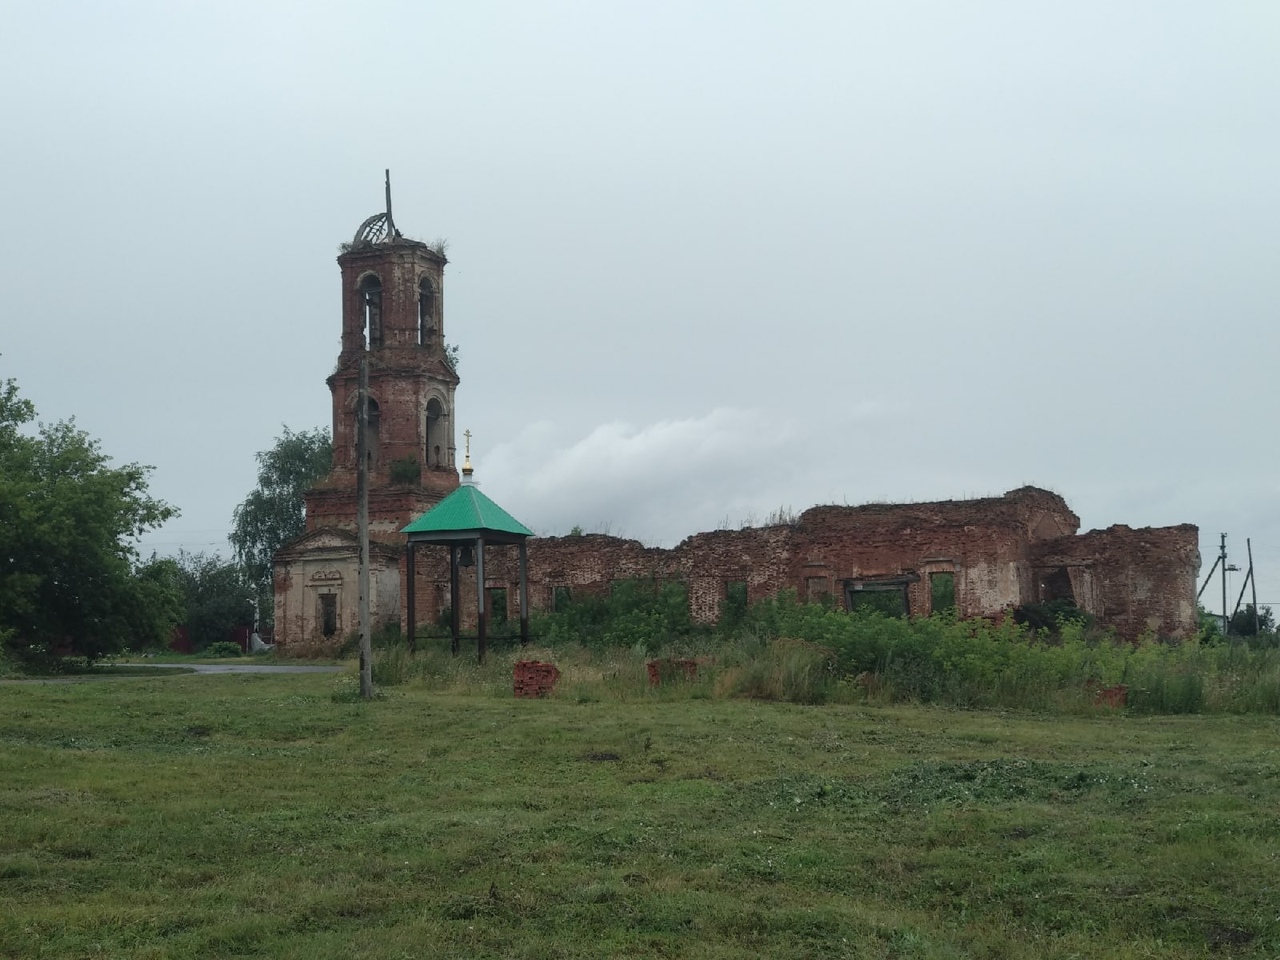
(797, 671)
(975, 663)
(808, 653)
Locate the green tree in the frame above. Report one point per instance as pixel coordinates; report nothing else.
(1241, 624)
(274, 513)
(70, 578)
(217, 595)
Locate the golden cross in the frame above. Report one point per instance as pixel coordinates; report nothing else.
(467, 434)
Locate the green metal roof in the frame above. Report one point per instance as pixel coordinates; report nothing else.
(467, 509)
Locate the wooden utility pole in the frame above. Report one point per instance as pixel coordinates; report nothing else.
(1226, 617)
(1208, 578)
(1253, 583)
(1249, 581)
(362, 525)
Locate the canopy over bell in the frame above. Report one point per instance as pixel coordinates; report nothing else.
(467, 521)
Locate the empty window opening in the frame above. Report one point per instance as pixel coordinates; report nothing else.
(426, 313)
(734, 608)
(371, 305)
(647, 594)
(560, 599)
(328, 614)
(435, 428)
(1056, 585)
(886, 597)
(942, 592)
(497, 605)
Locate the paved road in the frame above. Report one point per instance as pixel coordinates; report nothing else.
(105, 670)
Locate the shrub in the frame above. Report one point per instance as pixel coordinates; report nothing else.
(223, 648)
(406, 470)
(979, 664)
(641, 614)
(8, 667)
(1050, 615)
(385, 634)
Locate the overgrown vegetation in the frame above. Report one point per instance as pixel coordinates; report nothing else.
(813, 653)
(406, 470)
(980, 664)
(644, 614)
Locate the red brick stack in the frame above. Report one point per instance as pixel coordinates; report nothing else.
(533, 678)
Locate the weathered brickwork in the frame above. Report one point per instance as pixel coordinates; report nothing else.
(997, 552)
(407, 372)
(1138, 581)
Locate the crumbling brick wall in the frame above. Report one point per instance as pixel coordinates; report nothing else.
(1134, 580)
(984, 543)
(995, 548)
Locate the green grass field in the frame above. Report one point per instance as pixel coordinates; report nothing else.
(252, 816)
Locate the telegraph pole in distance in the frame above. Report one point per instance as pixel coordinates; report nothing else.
(1253, 582)
(362, 524)
(1223, 557)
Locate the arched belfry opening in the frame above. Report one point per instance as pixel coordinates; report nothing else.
(426, 313)
(436, 434)
(371, 306)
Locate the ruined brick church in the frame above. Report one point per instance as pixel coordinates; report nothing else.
(980, 557)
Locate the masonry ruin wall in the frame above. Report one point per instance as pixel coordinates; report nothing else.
(1000, 553)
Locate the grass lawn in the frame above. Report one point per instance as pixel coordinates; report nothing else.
(243, 815)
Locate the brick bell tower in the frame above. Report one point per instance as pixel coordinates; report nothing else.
(393, 307)
(393, 313)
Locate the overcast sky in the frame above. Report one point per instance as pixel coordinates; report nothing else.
(707, 259)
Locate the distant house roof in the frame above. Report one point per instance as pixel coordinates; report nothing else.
(465, 514)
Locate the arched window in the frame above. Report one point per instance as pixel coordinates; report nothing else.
(426, 312)
(435, 433)
(371, 305)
